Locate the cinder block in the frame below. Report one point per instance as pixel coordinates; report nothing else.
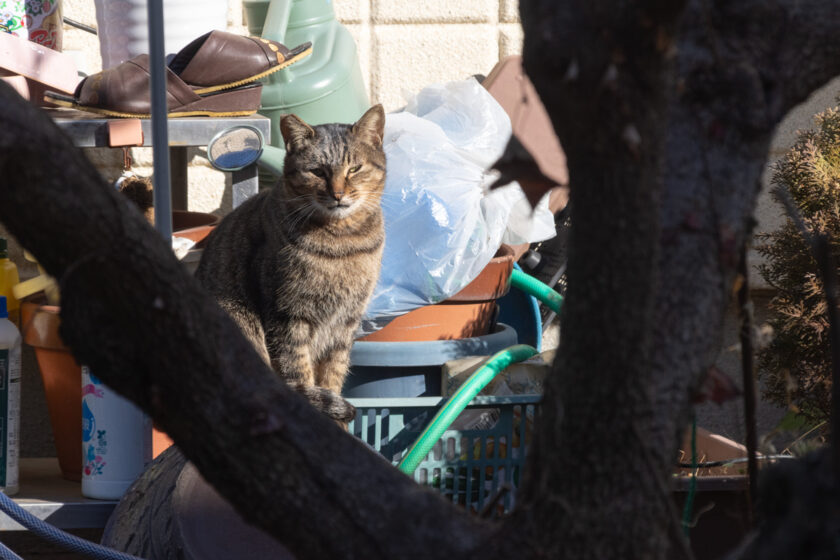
(407, 58)
(361, 35)
(510, 39)
(352, 11)
(802, 116)
(236, 18)
(436, 11)
(84, 48)
(522, 378)
(209, 190)
(509, 11)
(80, 10)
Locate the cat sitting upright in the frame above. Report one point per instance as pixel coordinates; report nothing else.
(295, 265)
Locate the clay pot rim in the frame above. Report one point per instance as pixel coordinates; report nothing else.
(204, 224)
(45, 334)
(492, 283)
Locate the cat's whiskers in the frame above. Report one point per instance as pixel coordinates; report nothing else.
(301, 215)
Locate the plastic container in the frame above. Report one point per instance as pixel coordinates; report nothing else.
(8, 279)
(413, 369)
(37, 20)
(522, 312)
(325, 87)
(116, 440)
(124, 26)
(9, 401)
(466, 465)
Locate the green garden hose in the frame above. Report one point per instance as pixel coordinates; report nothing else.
(478, 380)
(539, 290)
(458, 401)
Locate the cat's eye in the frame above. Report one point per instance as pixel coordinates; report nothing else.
(318, 172)
(354, 169)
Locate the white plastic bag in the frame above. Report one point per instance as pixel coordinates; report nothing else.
(441, 227)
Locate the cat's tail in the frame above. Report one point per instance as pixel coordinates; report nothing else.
(329, 402)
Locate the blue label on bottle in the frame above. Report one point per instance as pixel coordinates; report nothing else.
(88, 422)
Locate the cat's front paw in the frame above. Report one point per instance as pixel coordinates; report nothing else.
(343, 412)
(330, 403)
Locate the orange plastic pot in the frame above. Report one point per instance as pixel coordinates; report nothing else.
(62, 379)
(467, 314)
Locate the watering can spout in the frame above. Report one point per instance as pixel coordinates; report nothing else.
(271, 160)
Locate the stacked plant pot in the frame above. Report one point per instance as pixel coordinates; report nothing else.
(404, 358)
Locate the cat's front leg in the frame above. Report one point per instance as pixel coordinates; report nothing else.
(332, 370)
(292, 359)
(330, 373)
(291, 355)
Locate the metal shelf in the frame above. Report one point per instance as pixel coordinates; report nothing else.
(88, 130)
(48, 496)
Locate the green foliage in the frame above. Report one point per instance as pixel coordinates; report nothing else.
(796, 366)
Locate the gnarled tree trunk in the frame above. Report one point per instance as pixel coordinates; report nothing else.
(665, 111)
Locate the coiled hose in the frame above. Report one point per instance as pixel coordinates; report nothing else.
(459, 400)
(478, 380)
(55, 536)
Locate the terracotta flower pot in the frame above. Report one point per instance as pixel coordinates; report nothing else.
(195, 226)
(467, 314)
(62, 378)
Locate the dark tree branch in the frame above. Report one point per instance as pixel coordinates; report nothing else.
(135, 316)
(604, 72)
(740, 68)
(666, 119)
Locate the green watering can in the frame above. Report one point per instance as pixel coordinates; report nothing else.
(325, 87)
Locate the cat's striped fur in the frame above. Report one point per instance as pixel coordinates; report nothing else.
(295, 265)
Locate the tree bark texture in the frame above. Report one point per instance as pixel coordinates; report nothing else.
(644, 309)
(606, 84)
(665, 110)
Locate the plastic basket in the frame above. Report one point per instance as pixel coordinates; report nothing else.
(467, 466)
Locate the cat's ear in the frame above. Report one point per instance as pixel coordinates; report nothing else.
(295, 132)
(371, 127)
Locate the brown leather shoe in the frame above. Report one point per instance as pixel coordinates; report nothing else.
(123, 91)
(220, 60)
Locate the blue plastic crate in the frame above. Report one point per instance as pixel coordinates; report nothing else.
(466, 466)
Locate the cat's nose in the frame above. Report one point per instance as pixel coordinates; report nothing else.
(338, 194)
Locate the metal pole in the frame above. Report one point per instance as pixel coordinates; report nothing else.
(160, 134)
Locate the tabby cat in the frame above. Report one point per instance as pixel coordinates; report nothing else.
(295, 265)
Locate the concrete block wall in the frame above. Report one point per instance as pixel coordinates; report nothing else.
(403, 46)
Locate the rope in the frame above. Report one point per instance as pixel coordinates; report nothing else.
(56, 536)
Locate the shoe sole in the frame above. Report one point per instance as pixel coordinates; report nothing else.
(285, 64)
(174, 114)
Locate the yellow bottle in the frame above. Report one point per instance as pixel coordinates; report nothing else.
(8, 278)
